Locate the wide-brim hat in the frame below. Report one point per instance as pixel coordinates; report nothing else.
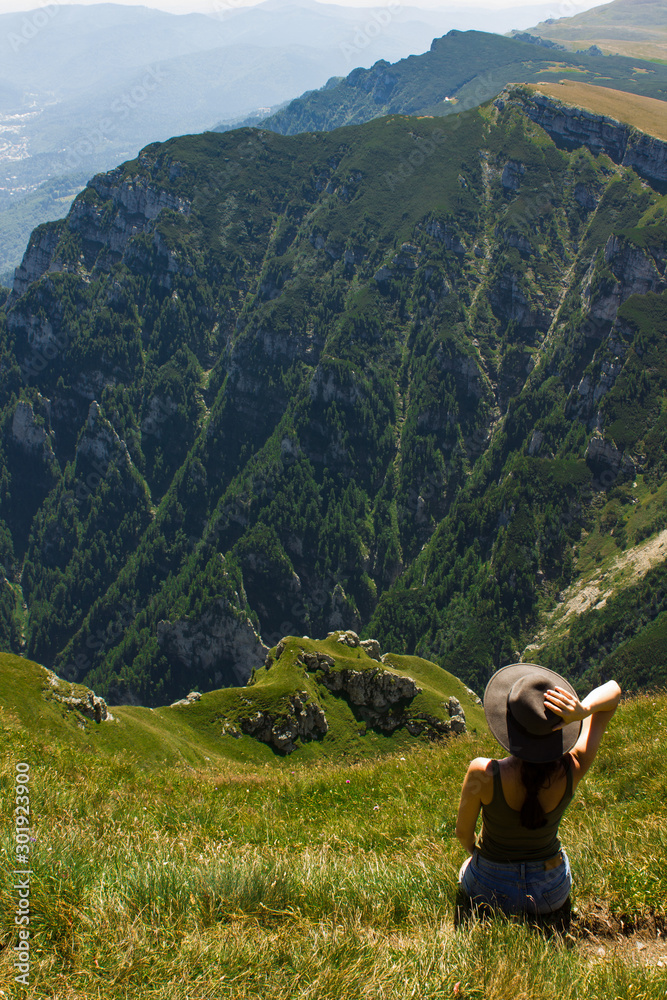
(517, 717)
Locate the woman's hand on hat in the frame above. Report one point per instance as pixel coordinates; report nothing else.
(565, 704)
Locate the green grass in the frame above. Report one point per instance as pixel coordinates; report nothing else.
(194, 734)
(315, 879)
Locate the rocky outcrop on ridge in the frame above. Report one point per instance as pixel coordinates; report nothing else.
(302, 719)
(86, 703)
(38, 258)
(190, 699)
(30, 436)
(380, 697)
(573, 126)
(100, 442)
(112, 210)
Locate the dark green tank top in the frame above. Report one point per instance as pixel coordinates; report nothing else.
(504, 839)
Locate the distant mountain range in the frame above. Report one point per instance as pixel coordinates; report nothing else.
(461, 70)
(84, 87)
(635, 28)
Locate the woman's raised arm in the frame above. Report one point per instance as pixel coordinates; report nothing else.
(596, 710)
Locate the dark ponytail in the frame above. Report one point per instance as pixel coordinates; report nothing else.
(535, 777)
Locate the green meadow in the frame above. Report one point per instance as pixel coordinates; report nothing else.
(187, 873)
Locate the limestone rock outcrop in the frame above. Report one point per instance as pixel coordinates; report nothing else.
(112, 210)
(30, 436)
(38, 258)
(100, 442)
(222, 643)
(574, 126)
(301, 719)
(87, 703)
(190, 699)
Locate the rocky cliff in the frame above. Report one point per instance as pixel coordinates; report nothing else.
(221, 645)
(339, 671)
(572, 127)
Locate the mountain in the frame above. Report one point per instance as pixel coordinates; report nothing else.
(84, 87)
(406, 377)
(461, 71)
(634, 28)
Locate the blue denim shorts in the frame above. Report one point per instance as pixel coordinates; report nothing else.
(521, 887)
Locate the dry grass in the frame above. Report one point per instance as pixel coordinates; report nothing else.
(632, 48)
(645, 113)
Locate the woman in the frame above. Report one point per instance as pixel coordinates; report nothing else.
(518, 864)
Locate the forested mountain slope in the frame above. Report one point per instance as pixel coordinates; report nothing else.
(462, 70)
(405, 374)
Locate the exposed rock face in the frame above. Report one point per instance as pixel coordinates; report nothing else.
(377, 81)
(88, 704)
(603, 455)
(508, 300)
(38, 258)
(585, 196)
(223, 643)
(375, 694)
(636, 272)
(447, 235)
(375, 689)
(135, 205)
(511, 176)
(303, 720)
(574, 127)
(189, 700)
(371, 647)
(345, 638)
(456, 715)
(99, 441)
(469, 379)
(111, 211)
(27, 434)
(378, 696)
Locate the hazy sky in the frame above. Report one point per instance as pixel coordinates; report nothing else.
(559, 8)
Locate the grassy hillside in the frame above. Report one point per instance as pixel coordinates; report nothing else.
(234, 880)
(644, 113)
(634, 28)
(210, 729)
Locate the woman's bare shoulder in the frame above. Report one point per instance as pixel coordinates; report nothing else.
(482, 767)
